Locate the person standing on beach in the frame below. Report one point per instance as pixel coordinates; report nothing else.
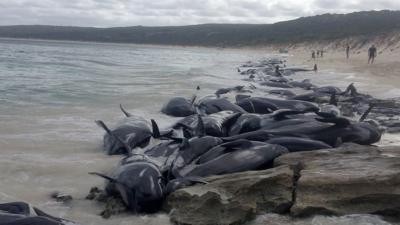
(322, 53)
(371, 54)
(347, 51)
(313, 55)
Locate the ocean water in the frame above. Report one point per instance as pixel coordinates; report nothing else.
(51, 93)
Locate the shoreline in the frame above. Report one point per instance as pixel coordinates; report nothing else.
(386, 68)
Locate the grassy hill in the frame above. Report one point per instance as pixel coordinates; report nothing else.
(315, 28)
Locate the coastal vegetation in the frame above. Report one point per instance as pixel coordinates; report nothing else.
(325, 27)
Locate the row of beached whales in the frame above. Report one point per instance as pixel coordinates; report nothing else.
(216, 136)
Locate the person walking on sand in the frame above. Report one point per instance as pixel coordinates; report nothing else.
(371, 54)
(322, 53)
(347, 51)
(313, 55)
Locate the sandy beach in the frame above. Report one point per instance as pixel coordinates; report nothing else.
(386, 67)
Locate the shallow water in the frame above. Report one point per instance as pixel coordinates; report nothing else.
(51, 92)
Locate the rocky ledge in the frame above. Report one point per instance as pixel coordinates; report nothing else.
(348, 180)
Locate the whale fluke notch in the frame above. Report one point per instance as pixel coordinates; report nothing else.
(127, 114)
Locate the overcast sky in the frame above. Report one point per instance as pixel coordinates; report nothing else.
(108, 13)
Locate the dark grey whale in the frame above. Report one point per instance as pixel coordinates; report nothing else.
(210, 106)
(216, 124)
(135, 131)
(245, 157)
(260, 105)
(296, 144)
(138, 183)
(178, 107)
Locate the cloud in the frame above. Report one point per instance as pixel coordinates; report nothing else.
(107, 13)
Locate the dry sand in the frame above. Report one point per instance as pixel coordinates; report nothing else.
(385, 69)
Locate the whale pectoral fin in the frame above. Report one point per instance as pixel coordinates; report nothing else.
(236, 145)
(200, 129)
(166, 134)
(252, 105)
(231, 120)
(43, 214)
(124, 111)
(104, 176)
(193, 99)
(333, 100)
(103, 125)
(126, 145)
(365, 114)
(128, 196)
(338, 121)
(200, 110)
(217, 107)
(326, 115)
(283, 113)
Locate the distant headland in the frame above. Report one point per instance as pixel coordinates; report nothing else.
(325, 28)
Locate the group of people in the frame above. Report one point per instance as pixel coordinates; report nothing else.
(318, 53)
(372, 53)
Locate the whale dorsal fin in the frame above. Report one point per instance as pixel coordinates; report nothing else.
(155, 129)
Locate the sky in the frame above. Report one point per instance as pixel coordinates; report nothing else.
(112, 13)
